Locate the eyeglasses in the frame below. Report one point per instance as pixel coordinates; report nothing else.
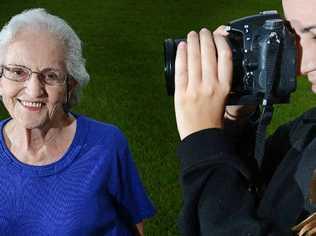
(48, 76)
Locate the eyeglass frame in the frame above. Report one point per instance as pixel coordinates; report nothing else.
(65, 81)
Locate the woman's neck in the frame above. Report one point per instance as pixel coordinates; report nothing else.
(41, 145)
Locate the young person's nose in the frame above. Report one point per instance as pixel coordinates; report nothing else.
(308, 55)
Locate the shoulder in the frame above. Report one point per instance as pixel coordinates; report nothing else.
(102, 132)
(306, 119)
(309, 116)
(302, 129)
(297, 131)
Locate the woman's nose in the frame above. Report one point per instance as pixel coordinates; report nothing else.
(34, 86)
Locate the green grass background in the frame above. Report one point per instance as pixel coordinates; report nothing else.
(123, 46)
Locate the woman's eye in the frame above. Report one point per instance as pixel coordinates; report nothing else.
(51, 76)
(18, 72)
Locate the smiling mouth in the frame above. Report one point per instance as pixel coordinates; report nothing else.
(31, 105)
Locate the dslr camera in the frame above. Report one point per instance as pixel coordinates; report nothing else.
(264, 59)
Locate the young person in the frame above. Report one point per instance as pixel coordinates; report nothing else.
(217, 169)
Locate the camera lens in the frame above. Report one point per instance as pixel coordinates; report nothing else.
(251, 52)
(170, 50)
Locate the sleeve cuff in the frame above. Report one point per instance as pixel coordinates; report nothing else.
(204, 145)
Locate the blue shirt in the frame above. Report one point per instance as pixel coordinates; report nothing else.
(93, 189)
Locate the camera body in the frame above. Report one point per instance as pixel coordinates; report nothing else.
(264, 59)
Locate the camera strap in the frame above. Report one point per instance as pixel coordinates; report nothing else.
(264, 121)
(270, 52)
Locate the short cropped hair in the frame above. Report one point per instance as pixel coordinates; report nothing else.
(39, 19)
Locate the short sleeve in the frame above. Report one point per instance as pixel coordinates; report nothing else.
(125, 186)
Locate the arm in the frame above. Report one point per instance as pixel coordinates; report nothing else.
(217, 186)
(218, 194)
(125, 186)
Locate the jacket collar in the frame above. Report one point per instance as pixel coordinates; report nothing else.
(303, 140)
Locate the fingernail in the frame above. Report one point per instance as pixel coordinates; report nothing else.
(181, 44)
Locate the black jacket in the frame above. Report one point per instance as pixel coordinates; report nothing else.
(226, 193)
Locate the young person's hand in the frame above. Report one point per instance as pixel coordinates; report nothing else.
(203, 74)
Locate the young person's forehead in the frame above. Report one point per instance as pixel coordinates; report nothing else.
(301, 13)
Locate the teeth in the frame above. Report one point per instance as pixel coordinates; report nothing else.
(32, 104)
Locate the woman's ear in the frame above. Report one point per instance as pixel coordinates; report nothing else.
(1, 78)
(72, 84)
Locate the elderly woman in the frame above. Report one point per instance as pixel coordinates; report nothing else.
(61, 173)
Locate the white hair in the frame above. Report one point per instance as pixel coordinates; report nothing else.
(39, 19)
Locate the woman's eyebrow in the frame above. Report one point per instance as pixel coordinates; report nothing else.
(18, 65)
(46, 68)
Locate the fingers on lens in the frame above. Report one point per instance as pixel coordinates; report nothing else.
(208, 55)
(181, 73)
(225, 63)
(194, 59)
